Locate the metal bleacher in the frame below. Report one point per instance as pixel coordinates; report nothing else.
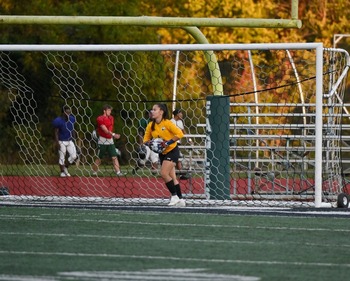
(275, 157)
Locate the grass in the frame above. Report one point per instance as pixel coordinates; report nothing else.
(61, 243)
(81, 171)
(107, 170)
(53, 170)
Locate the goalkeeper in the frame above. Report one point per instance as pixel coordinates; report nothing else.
(162, 128)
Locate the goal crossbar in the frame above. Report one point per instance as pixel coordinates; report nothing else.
(157, 47)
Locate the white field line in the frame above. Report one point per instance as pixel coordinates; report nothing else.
(56, 201)
(250, 211)
(142, 238)
(182, 259)
(168, 274)
(36, 218)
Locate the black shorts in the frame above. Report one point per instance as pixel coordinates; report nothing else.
(172, 155)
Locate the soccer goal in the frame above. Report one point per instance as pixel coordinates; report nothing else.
(265, 123)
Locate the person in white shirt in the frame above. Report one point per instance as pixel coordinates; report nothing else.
(177, 120)
(144, 152)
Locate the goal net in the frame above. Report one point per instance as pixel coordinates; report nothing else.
(263, 122)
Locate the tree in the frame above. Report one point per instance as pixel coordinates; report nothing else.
(321, 19)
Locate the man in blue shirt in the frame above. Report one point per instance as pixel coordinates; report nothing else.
(64, 138)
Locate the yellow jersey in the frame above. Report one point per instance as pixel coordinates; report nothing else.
(165, 130)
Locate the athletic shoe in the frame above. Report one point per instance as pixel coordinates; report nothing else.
(63, 175)
(93, 173)
(181, 203)
(135, 170)
(154, 172)
(184, 177)
(66, 172)
(174, 200)
(120, 174)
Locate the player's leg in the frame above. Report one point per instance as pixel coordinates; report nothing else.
(95, 166)
(116, 164)
(72, 152)
(100, 153)
(177, 187)
(168, 173)
(113, 154)
(62, 150)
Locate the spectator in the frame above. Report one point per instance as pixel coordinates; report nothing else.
(64, 139)
(106, 136)
(177, 119)
(145, 154)
(162, 128)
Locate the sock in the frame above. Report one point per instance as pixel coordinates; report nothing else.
(178, 190)
(171, 187)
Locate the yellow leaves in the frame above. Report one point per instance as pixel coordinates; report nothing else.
(196, 6)
(6, 5)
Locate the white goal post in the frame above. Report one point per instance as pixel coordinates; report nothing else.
(280, 109)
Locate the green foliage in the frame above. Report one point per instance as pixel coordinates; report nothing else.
(321, 19)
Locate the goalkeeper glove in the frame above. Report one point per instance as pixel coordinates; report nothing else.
(167, 143)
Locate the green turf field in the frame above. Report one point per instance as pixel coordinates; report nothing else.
(95, 244)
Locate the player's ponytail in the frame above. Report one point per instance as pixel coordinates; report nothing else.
(165, 110)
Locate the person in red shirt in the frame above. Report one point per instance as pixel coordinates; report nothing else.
(106, 136)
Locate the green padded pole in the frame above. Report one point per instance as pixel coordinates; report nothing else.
(217, 181)
(218, 157)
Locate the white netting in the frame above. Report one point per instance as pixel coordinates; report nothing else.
(272, 95)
